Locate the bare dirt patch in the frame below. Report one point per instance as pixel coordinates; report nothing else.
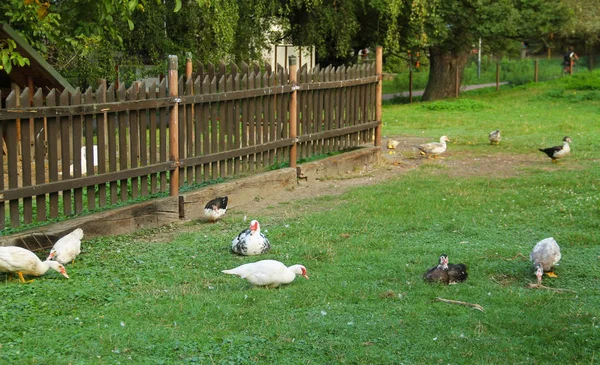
(283, 203)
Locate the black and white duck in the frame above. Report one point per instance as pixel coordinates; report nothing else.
(250, 241)
(544, 256)
(557, 152)
(216, 208)
(438, 273)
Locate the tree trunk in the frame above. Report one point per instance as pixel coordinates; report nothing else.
(442, 73)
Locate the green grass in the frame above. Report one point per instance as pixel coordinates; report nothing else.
(158, 297)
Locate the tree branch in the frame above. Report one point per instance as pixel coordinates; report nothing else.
(558, 290)
(472, 305)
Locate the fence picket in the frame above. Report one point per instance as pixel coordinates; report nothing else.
(338, 108)
(198, 130)
(205, 124)
(188, 125)
(77, 130)
(112, 127)
(26, 178)
(143, 116)
(152, 135)
(87, 164)
(39, 144)
(268, 156)
(101, 139)
(122, 146)
(228, 114)
(214, 134)
(256, 115)
(164, 118)
(181, 126)
(134, 135)
(211, 71)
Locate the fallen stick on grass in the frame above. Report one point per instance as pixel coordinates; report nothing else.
(473, 305)
(558, 290)
(519, 255)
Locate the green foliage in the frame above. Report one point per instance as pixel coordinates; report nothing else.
(9, 56)
(448, 31)
(583, 26)
(461, 104)
(33, 21)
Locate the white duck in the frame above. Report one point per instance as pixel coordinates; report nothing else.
(250, 241)
(269, 273)
(495, 137)
(216, 208)
(67, 247)
(544, 256)
(392, 144)
(18, 260)
(434, 148)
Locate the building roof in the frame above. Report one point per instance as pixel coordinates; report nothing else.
(43, 74)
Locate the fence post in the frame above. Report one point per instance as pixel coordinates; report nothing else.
(571, 64)
(497, 76)
(293, 109)
(535, 71)
(173, 126)
(378, 93)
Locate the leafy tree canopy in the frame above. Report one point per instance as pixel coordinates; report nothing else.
(86, 39)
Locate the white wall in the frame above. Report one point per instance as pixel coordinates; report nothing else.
(280, 53)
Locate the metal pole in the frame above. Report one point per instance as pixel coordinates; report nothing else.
(293, 110)
(173, 126)
(378, 92)
(479, 60)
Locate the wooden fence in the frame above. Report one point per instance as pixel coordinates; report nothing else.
(83, 152)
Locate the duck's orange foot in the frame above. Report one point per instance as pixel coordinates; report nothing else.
(551, 274)
(22, 279)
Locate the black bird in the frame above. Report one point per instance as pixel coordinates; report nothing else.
(216, 208)
(557, 152)
(438, 273)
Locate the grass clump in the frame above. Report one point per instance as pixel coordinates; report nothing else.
(461, 104)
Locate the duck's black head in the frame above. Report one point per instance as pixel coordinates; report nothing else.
(444, 260)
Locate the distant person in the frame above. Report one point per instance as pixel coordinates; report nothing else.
(569, 58)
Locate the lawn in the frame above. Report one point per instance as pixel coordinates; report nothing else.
(159, 297)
